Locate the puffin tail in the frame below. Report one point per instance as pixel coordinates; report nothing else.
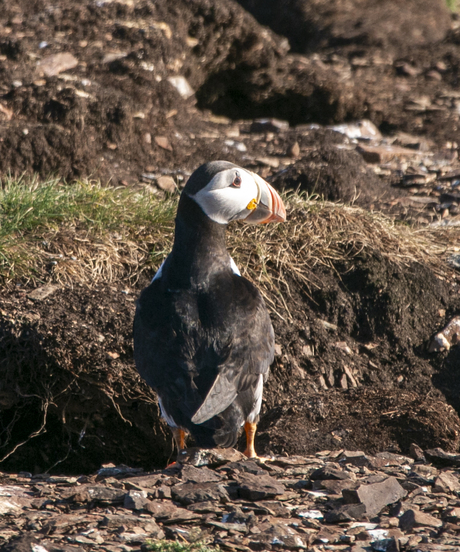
(220, 431)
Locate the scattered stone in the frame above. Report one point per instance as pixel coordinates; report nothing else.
(113, 56)
(385, 458)
(50, 66)
(356, 458)
(386, 545)
(41, 293)
(293, 150)
(191, 474)
(273, 533)
(135, 500)
(447, 481)
(383, 153)
(8, 507)
(441, 458)
(241, 504)
(376, 496)
(450, 176)
(269, 161)
(362, 130)
(446, 339)
(346, 512)
(434, 75)
(417, 453)
(332, 486)
(167, 183)
(416, 518)
(163, 142)
(330, 472)
(269, 125)
(182, 86)
(5, 112)
(239, 146)
(414, 142)
(99, 493)
(110, 470)
(188, 493)
(406, 69)
(253, 487)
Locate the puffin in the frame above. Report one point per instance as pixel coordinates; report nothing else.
(203, 338)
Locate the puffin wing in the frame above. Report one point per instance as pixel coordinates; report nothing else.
(220, 396)
(248, 356)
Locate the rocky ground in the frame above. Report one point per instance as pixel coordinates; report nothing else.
(348, 101)
(337, 501)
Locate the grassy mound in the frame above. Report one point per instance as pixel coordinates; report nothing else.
(88, 233)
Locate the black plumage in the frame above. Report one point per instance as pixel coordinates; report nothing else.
(203, 338)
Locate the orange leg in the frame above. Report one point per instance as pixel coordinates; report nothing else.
(179, 438)
(250, 429)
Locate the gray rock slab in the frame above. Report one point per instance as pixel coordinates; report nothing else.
(99, 493)
(198, 475)
(188, 493)
(440, 457)
(447, 481)
(135, 500)
(211, 458)
(376, 496)
(41, 293)
(416, 518)
(333, 486)
(345, 512)
(258, 487)
(51, 66)
(330, 472)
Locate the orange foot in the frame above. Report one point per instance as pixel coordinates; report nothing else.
(179, 439)
(250, 452)
(250, 429)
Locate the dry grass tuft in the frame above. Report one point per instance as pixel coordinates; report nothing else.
(320, 233)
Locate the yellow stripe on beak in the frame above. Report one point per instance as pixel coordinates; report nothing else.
(252, 205)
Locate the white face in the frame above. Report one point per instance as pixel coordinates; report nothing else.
(231, 195)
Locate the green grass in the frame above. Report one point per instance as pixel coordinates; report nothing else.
(36, 216)
(453, 5)
(28, 205)
(174, 546)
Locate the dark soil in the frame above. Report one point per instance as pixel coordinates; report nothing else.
(352, 368)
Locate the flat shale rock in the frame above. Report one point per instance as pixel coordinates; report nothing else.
(189, 493)
(416, 518)
(192, 474)
(376, 496)
(213, 457)
(439, 457)
(258, 487)
(446, 482)
(135, 500)
(346, 512)
(99, 493)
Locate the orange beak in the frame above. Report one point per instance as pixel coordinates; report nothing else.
(269, 205)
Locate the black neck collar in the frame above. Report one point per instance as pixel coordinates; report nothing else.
(199, 250)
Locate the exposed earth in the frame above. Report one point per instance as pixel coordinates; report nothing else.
(352, 103)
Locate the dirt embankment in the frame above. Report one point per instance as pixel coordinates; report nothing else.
(129, 91)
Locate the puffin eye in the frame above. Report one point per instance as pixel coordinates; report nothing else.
(236, 181)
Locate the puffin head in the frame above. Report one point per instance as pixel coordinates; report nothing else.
(226, 192)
